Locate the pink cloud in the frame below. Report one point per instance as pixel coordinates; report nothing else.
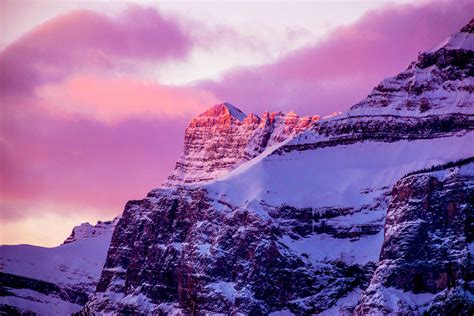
(113, 99)
(76, 135)
(77, 161)
(340, 70)
(84, 40)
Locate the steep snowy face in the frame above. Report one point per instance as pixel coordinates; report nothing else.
(223, 137)
(439, 82)
(86, 230)
(54, 280)
(296, 231)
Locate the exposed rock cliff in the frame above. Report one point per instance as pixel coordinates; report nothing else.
(178, 249)
(223, 137)
(426, 261)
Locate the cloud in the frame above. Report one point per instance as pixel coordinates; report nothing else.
(341, 69)
(84, 40)
(80, 132)
(81, 162)
(113, 99)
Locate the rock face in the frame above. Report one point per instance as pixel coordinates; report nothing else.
(56, 280)
(185, 253)
(299, 226)
(426, 249)
(223, 137)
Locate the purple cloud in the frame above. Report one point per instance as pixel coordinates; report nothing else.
(339, 71)
(85, 40)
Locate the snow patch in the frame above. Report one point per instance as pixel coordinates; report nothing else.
(323, 247)
(28, 300)
(227, 289)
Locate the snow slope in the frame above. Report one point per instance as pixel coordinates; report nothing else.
(331, 177)
(73, 264)
(73, 267)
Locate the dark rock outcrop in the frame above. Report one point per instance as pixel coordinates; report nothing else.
(383, 128)
(11, 281)
(428, 233)
(177, 248)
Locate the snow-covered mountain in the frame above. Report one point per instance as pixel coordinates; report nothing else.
(439, 82)
(58, 280)
(281, 214)
(321, 221)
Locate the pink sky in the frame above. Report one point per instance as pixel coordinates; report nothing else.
(90, 119)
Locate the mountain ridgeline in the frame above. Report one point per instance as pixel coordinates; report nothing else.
(282, 215)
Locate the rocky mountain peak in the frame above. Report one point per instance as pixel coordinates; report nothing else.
(223, 137)
(221, 114)
(463, 40)
(252, 119)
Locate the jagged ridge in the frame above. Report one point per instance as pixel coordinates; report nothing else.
(223, 137)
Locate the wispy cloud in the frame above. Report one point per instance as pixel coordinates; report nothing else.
(114, 99)
(340, 70)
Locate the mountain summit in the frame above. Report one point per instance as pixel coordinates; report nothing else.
(224, 111)
(223, 137)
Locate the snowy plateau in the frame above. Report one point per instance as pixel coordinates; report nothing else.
(368, 212)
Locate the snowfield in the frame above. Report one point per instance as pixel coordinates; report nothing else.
(335, 176)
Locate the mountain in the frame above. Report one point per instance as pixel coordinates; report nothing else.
(54, 280)
(223, 137)
(368, 212)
